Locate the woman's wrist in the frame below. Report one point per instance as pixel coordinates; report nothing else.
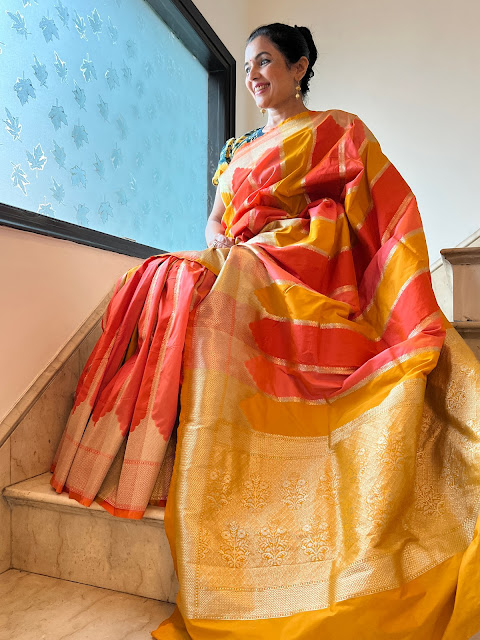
(215, 235)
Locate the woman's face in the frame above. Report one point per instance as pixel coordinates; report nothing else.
(269, 78)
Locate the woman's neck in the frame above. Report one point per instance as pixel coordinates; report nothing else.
(276, 116)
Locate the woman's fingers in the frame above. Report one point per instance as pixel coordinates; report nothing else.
(221, 242)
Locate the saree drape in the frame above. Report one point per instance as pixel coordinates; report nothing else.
(326, 480)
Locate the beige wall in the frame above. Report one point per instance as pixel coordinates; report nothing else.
(48, 288)
(410, 70)
(229, 20)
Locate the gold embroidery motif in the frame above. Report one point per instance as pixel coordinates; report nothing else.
(255, 493)
(429, 501)
(294, 492)
(235, 550)
(203, 548)
(315, 541)
(273, 544)
(219, 490)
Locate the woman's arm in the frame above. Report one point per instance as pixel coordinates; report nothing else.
(214, 231)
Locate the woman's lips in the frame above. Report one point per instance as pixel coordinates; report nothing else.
(261, 88)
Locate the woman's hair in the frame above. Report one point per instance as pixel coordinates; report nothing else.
(293, 43)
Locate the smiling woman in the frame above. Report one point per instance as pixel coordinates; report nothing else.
(326, 481)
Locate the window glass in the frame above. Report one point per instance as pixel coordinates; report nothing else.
(104, 115)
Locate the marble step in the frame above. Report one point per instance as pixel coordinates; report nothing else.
(465, 263)
(37, 607)
(470, 332)
(55, 536)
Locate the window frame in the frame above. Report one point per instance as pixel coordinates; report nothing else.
(188, 24)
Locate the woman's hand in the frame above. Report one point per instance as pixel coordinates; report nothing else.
(214, 232)
(221, 242)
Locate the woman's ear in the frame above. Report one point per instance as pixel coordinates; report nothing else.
(301, 67)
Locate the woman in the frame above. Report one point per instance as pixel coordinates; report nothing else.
(324, 486)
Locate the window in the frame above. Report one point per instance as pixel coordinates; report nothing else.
(114, 112)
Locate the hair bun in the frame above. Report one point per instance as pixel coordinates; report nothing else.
(307, 34)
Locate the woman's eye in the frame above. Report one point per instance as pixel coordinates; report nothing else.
(264, 61)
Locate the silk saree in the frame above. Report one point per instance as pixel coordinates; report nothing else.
(326, 476)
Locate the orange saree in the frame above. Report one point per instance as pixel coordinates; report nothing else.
(326, 480)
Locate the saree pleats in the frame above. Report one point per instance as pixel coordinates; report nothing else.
(326, 481)
(130, 387)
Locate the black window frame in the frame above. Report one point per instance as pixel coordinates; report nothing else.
(191, 28)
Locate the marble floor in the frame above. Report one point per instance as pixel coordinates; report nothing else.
(35, 607)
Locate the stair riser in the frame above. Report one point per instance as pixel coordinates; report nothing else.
(466, 282)
(99, 550)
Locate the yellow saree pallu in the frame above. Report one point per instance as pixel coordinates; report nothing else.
(327, 478)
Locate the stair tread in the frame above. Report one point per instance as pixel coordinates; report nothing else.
(38, 490)
(36, 607)
(467, 326)
(462, 255)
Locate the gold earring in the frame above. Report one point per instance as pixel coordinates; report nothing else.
(262, 110)
(298, 88)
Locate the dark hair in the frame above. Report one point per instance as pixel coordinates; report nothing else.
(293, 43)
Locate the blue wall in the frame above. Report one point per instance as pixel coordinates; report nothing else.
(104, 120)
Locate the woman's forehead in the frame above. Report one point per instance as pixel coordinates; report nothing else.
(258, 45)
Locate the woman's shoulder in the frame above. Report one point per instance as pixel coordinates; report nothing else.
(235, 143)
(230, 147)
(343, 118)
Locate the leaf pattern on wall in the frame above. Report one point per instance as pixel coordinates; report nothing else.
(103, 108)
(80, 26)
(36, 158)
(58, 192)
(121, 197)
(111, 64)
(58, 116)
(59, 155)
(112, 31)
(88, 69)
(105, 211)
(46, 209)
(95, 22)
(60, 67)
(24, 89)
(19, 178)
(12, 125)
(79, 95)
(99, 167)
(18, 23)
(40, 71)
(111, 77)
(79, 135)
(79, 177)
(62, 12)
(49, 28)
(116, 157)
(82, 211)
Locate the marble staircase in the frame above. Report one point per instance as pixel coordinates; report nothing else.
(55, 536)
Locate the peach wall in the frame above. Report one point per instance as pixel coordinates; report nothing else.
(49, 287)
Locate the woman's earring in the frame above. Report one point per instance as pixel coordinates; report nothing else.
(262, 110)
(298, 88)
